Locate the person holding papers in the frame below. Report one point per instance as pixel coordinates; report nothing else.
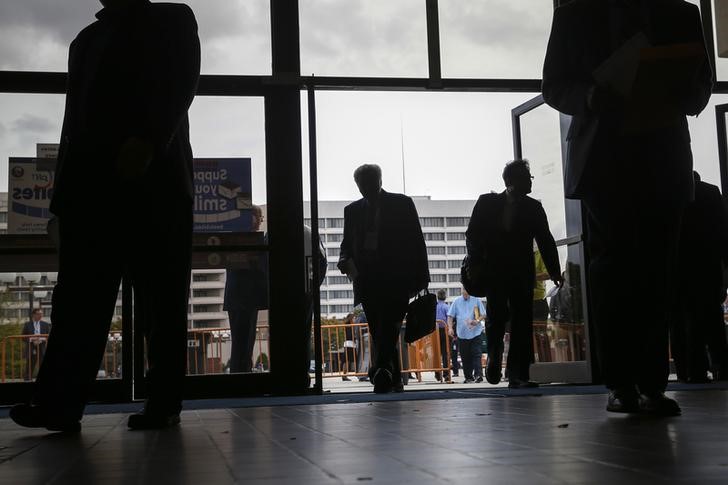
(628, 72)
(383, 253)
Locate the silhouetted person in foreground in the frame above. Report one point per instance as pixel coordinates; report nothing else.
(501, 233)
(629, 161)
(123, 198)
(246, 292)
(699, 321)
(383, 252)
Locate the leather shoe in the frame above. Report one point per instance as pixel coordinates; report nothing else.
(519, 384)
(382, 381)
(623, 401)
(145, 420)
(33, 416)
(494, 364)
(659, 405)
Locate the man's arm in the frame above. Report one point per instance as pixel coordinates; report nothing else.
(547, 245)
(473, 235)
(564, 87)
(169, 91)
(698, 92)
(421, 269)
(346, 250)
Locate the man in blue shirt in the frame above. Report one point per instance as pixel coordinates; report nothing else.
(469, 313)
(441, 319)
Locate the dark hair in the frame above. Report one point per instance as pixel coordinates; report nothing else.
(441, 295)
(349, 318)
(366, 171)
(36, 310)
(513, 167)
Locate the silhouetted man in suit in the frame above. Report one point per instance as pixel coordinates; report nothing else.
(501, 232)
(629, 161)
(35, 346)
(383, 252)
(701, 290)
(246, 292)
(123, 198)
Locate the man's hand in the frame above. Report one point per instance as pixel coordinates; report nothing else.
(134, 158)
(558, 281)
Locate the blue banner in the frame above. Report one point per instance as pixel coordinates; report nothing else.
(223, 200)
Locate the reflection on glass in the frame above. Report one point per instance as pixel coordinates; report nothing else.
(502, 39)
(25, 324)
(541, 143)
(560, 337)
(363, 37)
(227, 314)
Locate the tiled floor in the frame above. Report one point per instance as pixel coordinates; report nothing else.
(519, 439)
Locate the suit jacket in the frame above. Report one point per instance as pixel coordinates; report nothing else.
(132, 73)
(509, 254)
(400, 264)
(29, 328)
(582, 38)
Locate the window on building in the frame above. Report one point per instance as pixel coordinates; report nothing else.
(333, 252)
(432, 222)
(438, 278)
(436, 250)
(454, 263)
(334, 237)
(456, 250)
(331, 266)
(454, 292)
(458, 221)
(340, 294)
(340, 308)
(338, 280)
(437, 264)
(307, 221)
(3, 217)
(335, 223)
(434, 236)
(456, 236)
(453, 278)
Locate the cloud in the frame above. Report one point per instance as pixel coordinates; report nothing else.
(29, 123)
(3, 130)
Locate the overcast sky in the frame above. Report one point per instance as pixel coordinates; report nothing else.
(452, 145)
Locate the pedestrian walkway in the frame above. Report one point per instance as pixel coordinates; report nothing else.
(551, 435)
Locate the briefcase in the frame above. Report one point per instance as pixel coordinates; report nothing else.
(420, 317)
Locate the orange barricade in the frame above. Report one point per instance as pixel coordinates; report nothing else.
(347, 350)
(21, 355)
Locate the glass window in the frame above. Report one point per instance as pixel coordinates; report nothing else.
(431, 222)
(333, 252)
(334, 237)
(541, 143)
(340, 294)
(455, 236)
(454, 292)
(234, 35)
(338, 280)
(332, 266)
(494, 38)
(434, 236)
(438, 278)
(435, 250)
(454, 263)
(453, 278)
(363, 38)
(458, 221)
(456, 250)
(438, 264)
(335, 223)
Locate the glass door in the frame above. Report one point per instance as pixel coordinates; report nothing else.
(561, 333)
